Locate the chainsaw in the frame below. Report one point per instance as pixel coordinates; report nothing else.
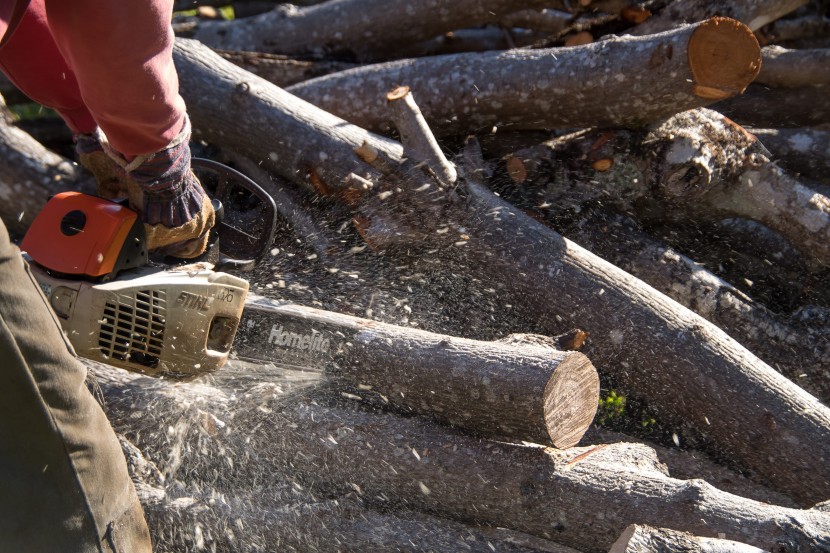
(122, 306)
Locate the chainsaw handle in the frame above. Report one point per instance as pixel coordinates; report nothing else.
(236, 241)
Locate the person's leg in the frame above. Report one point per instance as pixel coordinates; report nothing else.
(64, 484)
(32, 61)
(121, 52)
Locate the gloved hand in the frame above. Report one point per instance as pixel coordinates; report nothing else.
(161, 187)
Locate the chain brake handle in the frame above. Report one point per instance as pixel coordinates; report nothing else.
(246, 215)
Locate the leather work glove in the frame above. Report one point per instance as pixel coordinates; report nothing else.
(161, 187)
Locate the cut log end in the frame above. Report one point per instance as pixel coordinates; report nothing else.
(571, 400)
(397, 93)
(724, 57)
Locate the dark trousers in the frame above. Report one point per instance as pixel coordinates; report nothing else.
(64, 484)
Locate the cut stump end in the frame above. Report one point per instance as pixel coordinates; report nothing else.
(724, 57)
(571, 400)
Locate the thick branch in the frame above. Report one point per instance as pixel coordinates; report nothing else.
(794, 68)
(619, 81)
(521, 391)
(586, 497)
(361, 29)
(752, 13)
(802, 354)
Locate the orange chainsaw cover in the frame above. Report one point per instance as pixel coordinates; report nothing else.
(79, 234)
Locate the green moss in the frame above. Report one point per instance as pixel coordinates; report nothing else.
(31, 110)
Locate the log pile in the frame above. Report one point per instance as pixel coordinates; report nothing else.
(493, 184)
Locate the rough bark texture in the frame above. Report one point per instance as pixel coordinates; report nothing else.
(582, 497)
(618, 81)
(352, 28)
(799, 351)
(643, 339)
(521, 391)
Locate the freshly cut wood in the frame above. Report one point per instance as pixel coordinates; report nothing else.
(29, 175)
(804, 151)
(595, 84)
(520, 391)
(581, 497)
(752, 13)
(646, 539)
(640, 337)
(786, 68)
(356, 29)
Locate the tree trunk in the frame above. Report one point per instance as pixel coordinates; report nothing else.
(801, 353)
(520, 391)
(352, 29)
(619, 81)
(642, 338)
(581, 497)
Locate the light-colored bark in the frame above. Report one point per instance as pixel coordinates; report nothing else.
(620, 81)
(361, 29)
(782, 67)
(520, 391)
(581, 497)
(641, 338)
(804, 151)
(638, 538)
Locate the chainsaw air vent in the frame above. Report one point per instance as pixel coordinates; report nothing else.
(133, 329)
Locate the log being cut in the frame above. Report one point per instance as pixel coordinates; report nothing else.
(691, 372)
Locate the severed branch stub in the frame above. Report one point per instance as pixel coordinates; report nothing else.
(418, 141)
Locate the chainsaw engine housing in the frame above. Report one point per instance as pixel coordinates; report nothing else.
(156, 320)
